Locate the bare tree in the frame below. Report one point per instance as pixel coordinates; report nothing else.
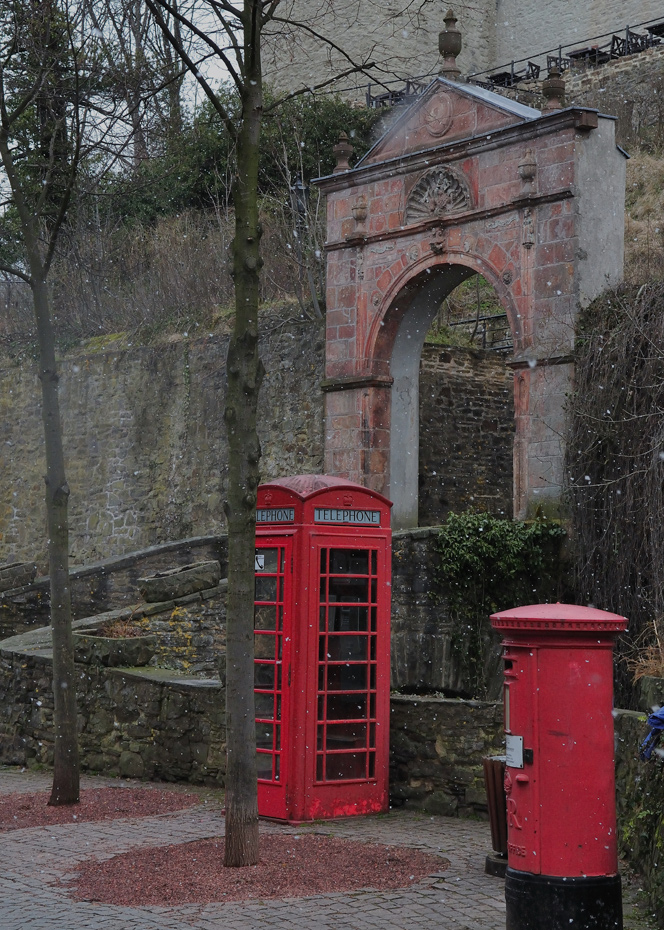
(232, 34)
(49, 77)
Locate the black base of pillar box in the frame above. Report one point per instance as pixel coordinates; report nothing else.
(546, 902)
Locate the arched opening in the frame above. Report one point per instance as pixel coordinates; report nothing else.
(467, 421)
(421, 496)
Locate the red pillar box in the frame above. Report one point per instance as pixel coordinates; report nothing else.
(322, 648)
(561, 816)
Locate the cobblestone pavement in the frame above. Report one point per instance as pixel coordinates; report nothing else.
(462, 897)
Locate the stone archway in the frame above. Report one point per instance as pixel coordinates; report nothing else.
(465, 181)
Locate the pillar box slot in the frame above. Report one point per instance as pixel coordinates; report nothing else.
(322, 648)
(559, 778)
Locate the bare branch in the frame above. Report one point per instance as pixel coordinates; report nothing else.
(15, 272)
(316, 87)
(154, 6)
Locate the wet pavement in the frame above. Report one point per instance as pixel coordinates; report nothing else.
(462, 897)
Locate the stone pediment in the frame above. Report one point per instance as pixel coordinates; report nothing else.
(447, 112)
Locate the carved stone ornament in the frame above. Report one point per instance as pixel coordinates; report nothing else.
(438, 193)
(437, 114)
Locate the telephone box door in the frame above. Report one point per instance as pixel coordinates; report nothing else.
(273, 609)
(349, 662)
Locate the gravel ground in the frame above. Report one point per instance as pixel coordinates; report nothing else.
(290, 866)
(21, 810)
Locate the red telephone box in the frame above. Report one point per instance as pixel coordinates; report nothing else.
(322, 648)
(561, 817)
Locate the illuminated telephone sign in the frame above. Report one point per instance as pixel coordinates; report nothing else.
(322, 648)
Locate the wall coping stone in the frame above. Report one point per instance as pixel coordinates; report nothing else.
(118, 562)
(416, 699)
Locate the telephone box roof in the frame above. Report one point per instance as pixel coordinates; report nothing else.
(305, 486)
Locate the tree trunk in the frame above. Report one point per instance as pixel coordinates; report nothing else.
(245, 373)
(65, 763)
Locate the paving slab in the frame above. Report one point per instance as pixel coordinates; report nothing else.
(461, 897)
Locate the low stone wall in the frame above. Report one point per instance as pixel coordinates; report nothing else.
(628, 88)
(436, 751)
(107, 585)
(140, 723)
(421, 656)
(160, 723)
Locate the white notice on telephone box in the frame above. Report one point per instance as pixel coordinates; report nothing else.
(514, 751)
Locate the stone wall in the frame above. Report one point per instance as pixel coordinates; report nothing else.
(436, 751)
(145, 442)
(421, 632)
(147, 454)
(632, 89)
(403, 40)
(107, 585)
(159, 723)
(466, 433)
(421, 652)
(144, 723)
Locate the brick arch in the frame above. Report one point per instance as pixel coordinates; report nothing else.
(396, 340)
(380, 338)
(542, 222)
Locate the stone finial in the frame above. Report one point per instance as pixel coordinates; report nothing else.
(342, 152)
(449, 45)
(553, 90)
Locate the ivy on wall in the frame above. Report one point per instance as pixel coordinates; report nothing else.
(485, 564)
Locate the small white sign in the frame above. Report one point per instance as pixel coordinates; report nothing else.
(259, 563)
(514, 751)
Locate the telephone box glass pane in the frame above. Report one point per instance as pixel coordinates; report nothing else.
(349, 590)
(345, 766)
(346, 735)
(264, 676)
(347, 648)
(264, 736)
(346, 677)
(264, 705)
(348, 598)
(346, 706)
(346, 618)
(264, 765)
(349, 562)
(266, 589)
(266, 561)
(264, 646)
(265, 617)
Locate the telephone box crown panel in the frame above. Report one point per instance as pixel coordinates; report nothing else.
(322, 637)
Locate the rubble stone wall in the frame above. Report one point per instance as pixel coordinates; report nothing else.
(147, 454)
(403, 40)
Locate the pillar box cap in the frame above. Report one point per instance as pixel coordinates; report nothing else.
(559, 617)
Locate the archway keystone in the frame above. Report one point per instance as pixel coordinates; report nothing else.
(465, 182)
